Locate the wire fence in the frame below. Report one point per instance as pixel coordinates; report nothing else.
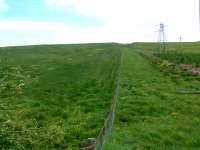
(98, 144)
(108, 123)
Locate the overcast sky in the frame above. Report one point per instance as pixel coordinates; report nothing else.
(26, 22)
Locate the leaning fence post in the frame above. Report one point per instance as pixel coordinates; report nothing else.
(89, 144)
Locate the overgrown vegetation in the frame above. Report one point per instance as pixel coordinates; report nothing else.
(151, 112)
(53, 97)
(181, 57)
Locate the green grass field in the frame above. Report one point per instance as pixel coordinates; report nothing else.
(55, 96)
(151, 115)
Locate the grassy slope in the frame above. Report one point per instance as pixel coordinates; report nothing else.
(188, 53)
(150, 114)
(193, 47)
(182, 53)
(55, 96)
(64, 92)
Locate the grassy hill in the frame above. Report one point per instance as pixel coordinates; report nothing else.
(151, 113)
(55, 96)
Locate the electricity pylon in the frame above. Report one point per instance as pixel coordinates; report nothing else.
(162, 36)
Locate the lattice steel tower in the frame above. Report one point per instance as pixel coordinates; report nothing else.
(162, 36)
(199, 14)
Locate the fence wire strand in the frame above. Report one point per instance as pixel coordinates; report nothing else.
(106, 130)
